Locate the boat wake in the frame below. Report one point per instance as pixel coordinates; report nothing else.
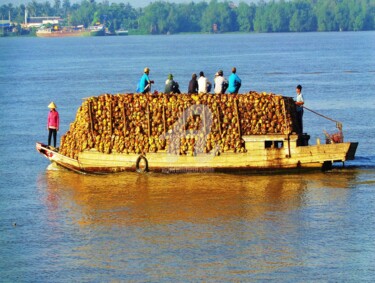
(54, 167)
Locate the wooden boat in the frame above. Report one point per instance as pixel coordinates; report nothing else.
(264, 153)
(257, 152)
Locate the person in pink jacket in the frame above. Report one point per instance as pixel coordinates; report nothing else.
(52, 123)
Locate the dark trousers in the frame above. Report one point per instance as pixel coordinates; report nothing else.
(52, 132)
(237, 88)
(300, 121)
(147, 89)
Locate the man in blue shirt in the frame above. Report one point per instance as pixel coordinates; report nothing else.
(144, 84)
(234, 82)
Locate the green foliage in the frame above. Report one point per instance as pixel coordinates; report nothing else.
(303, 18)
(163, 17)
(157, 18)
(220, 14)
(245, 17)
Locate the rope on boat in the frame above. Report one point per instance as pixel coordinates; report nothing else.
(338, 124)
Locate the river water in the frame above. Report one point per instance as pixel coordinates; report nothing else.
(59, 226)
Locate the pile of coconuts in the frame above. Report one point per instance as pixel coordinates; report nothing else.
(183, 124)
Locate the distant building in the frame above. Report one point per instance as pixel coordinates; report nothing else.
(39, 21)
(215, 28)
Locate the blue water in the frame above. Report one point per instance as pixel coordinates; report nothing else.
(58, 226)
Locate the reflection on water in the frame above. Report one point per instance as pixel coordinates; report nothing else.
(197, 226)
(131, 198)
(135, 199)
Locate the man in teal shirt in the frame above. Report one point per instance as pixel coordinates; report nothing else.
(234, 82)
(144, 84)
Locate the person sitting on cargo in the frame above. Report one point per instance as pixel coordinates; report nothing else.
(144, 84)
(221, 83)
(204, 86)
(193, 84)
(299, 106)
(171, 86)
(234, 82)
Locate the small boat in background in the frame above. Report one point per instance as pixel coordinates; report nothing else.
(57, 31)
(122, 32)
(97, 30)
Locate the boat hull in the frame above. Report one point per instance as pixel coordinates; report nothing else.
(91, 31)
(299, 158)
(97, 33)
(63, 34)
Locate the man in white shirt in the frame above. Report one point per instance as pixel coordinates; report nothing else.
(204, 86)
(221, 83)
(299, 106)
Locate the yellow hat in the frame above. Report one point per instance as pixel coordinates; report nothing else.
(146, 70)
(52, 105)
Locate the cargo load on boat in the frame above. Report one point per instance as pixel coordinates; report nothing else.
(181, 124)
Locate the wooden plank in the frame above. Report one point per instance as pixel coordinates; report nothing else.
(110, 117)
(91, 119)
(204, 120)
(238, 117)
(124, 119)
(110, 123)
(184, 122)
(285, 120)
(164, 122)
(148, 121)
(217, 110)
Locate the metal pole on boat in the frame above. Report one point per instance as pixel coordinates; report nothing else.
(338, 123)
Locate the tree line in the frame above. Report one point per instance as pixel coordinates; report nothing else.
(162, 17)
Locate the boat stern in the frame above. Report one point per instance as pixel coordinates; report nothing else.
(350, 155)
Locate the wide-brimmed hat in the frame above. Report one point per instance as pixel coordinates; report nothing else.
(52, 105)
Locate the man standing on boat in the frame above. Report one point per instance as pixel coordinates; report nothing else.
(144, 84)
(53, 122)
(299, 104)
(234, 82)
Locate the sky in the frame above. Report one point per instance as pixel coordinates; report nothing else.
(134, 3)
